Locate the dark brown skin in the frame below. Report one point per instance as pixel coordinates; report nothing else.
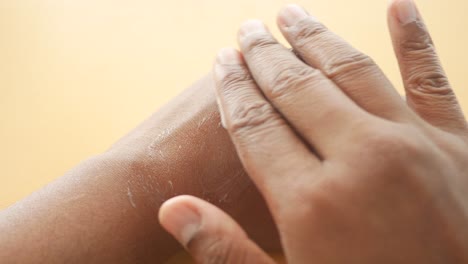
(105, 209)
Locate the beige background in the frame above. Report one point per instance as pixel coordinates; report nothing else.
(77, 75)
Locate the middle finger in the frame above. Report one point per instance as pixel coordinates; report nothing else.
(353, 71)
(312, 103)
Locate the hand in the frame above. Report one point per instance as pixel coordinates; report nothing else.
(350, 172)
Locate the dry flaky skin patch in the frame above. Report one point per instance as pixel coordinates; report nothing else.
(130, 197)
(187, 163)
(191, 153)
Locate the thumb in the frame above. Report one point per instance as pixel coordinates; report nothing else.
(209, 234)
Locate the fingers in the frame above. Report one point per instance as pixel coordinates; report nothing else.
(354, 72)
(261, 136)
(208, 234)
(311, 103)
(427, 87)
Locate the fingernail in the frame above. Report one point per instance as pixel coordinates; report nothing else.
(252, 27)
(406, 11)
(291, 15)
(183, 223)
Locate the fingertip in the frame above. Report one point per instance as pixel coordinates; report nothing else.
(251, 26)
(291, 14)
(207, 233)
(180, 217)
(166, 207)
(225, 58)
(403, 11)
(391, 8)
(228, 55)
(248, 28)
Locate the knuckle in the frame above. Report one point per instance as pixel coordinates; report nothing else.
(210, 248)
(254, 42)
(218, 251)
(351, 64)
(427, 77)
(392, 145)
(290, 80)
(429, 82)
(314, 203)
(235, 77)
(417, 46)
(397, 154)
(306, 31)
(252, 118)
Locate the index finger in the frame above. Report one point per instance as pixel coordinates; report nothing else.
(271, 152)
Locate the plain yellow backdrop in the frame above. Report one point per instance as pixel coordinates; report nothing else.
(75, 75)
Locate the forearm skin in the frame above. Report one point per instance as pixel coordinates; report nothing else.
(105, 209)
